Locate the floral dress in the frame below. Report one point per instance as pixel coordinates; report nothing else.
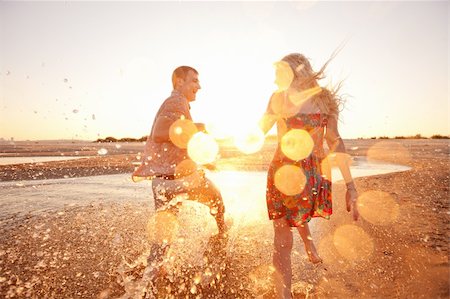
(314, 197)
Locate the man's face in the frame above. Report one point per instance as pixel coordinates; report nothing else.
(190, 86)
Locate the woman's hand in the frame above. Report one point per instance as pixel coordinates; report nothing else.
(351, 199)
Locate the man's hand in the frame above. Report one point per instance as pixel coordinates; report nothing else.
(209, 166)
(200, 127)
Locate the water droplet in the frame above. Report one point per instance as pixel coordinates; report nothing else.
(93, 116)
(102, 151)
(75, 110)
(66, 80)
(193, 289)
(208, 272)
(8, 73)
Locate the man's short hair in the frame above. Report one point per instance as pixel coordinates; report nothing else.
(181, 72)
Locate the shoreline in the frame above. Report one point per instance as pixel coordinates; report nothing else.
(121, 158)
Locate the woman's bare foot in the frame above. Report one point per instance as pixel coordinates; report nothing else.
(313, 256)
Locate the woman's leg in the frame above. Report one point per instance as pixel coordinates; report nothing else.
(310, 248)
(282, 257)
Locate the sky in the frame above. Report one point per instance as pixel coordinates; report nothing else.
(88, 70)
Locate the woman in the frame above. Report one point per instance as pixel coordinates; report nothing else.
(299, 176)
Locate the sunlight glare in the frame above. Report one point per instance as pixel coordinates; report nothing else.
(216, 130)
(283, 75)
(249, 141)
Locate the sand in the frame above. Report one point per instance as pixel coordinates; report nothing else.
(88, 251)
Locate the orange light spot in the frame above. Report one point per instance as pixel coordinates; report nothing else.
(185, 167)
(181, 131)
(353, 243)
(290, 180)
(378, 207)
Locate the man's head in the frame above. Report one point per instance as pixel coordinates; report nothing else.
(185, 80)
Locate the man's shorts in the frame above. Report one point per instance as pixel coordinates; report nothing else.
(196, 186)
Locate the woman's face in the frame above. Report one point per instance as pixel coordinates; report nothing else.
(283, 75)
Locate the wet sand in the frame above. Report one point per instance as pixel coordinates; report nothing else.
(98, 250)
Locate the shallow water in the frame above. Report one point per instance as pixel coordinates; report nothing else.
(22, 197)
(20, 160)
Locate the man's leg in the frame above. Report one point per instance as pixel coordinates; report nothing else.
(162, 194)
(208, 194)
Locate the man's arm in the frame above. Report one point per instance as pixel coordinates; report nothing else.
(171, 112)
(161, 129)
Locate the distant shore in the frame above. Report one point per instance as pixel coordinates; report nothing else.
(114, 158)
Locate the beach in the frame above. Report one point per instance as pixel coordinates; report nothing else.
(97, 248)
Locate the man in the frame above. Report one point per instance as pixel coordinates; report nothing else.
(165, 160)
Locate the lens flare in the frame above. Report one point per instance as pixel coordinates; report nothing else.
(162, 228)
(389, 151)
(202, 148)
(290, 180)
(353, 243)
(185, 167)
(181, 131)
(297, 144)
(378, 207)
(250, 141)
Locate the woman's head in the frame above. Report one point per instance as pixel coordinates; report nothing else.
(303, 74)
(295, 70)
(300, 66)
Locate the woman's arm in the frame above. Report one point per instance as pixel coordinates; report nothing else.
(268, 119)
(343, 160)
